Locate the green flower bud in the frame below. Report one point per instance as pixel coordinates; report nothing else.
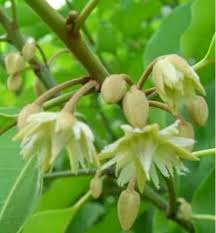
(25, 113)
(14, 82)
(136, 107)
(96, 186)
(198, 110)
(28, 50)
(114, 88)
(14, 63)
(185, 210)
(128, 208)
(186, 130)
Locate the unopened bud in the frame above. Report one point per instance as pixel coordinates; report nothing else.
(25, 113)
(96, 186)
(198, 110)
(28, 50)
(64, 121)
(128, 208)
(14, 82)
(185, 210)
(14, 63)
(136, 107)
(114, 88)
(186, 130)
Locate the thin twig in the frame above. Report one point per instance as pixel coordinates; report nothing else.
(56, 55)
(41, 53)
(147, 72)
(52, 92)
(71, 104)
(171, 211)
(79, 22)
(204, 217)
(201, 153)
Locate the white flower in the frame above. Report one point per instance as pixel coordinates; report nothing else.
(44, 136)
(175, 80)
(142, 151)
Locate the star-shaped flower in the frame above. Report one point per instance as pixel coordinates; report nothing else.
(48, 133)
(140, 152)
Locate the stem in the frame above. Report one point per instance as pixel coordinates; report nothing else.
(56, 55)
(203, 63)
(172, 196)
(204, 217)
(204, 152)
(71, 104)
(82, 200)
(57, 100)
(150, 91)
(156, 199)
(42, 53)
(157, 104)
(47, 95)
(84, 15)
(74, 43)
(82, 172)
(147, 72)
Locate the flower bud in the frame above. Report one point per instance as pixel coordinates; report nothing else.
(114, 88)
(28, 50)
(185, 210)
(136, 107)
(96, 186)
(25, 113)
(186, 130)
(14, 82)
(64, 121)
(128, 208)
(14, 63)
(198, 110)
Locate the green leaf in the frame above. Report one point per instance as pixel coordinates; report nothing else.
(203, 203)
(87, 216)
(20, 187)
(201, 30)
(69, 189)
(167, 39)
(55, 221)
(6, 118)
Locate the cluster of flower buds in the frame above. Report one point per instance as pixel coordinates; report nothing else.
(135, 103)
(15, 63)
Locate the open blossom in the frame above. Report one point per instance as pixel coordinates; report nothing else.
(175, 80)
(46, 136)
(141, 152)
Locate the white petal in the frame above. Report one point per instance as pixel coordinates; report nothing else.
(42, 117)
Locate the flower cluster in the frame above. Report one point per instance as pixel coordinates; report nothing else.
(141, 152)
(145, 150)
(47, 134)
(15, 63)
